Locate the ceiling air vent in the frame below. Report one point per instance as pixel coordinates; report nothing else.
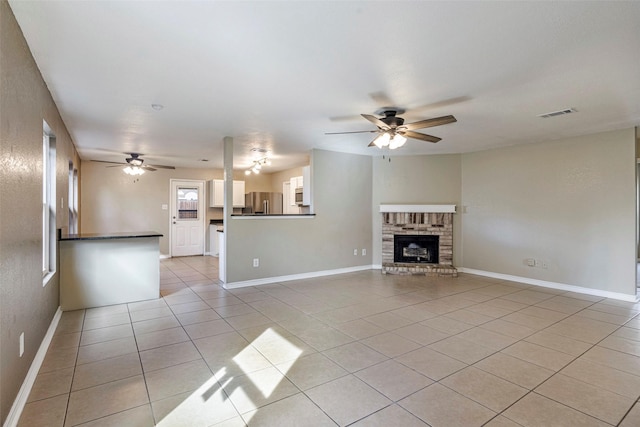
(558, 113)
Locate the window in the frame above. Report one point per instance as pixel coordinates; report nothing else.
(48, 204)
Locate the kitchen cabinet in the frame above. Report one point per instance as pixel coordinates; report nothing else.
(294, 182)
(238, 194)
(216, 193)
(306, 188)
(214, 240)
(303, 181)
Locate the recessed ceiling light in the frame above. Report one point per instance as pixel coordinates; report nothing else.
(157, 107)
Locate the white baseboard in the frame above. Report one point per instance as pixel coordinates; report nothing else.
(311, 275)
(552, 285)
(30, 379)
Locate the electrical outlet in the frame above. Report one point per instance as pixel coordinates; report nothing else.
(355, 252)
(256, 262)
(21, 344)
(364, 252)
(545, 264)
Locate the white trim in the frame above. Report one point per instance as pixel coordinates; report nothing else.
(552, 285)
(311, 275)
(419, 208)
(30, 379)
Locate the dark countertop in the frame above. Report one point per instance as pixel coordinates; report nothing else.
(110, 236)
(272, 215)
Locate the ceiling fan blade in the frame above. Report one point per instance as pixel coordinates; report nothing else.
(440, 104)
(381, 98)
(118, 165)
(420, 136)
(104, 161)
(429, 123)
(376, 121)
(345, 118)
(371, 144)
(148, 168)
(162, 166)
(356, 131)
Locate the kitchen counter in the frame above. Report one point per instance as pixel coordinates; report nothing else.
(272, 216)
(110, 268)
(109, 236)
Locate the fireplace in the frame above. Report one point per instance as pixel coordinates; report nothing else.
(416, 249)
(418, 239)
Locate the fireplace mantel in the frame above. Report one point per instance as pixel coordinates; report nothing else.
(418, 208)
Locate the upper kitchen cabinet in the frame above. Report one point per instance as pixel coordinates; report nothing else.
(216, 193)
(238, 194)
(306, 186)
(301, 182)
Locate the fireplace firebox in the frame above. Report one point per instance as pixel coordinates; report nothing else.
(417, 249)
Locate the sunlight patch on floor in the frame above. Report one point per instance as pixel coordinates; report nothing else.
(288, 351)
(215, 401)
(205, 406)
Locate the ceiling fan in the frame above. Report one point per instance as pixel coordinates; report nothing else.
(393, 132)
(135, 165)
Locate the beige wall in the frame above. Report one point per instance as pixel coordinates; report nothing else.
(253, 182)
(571, 203)
(279, 178)
(25, 305)
(114, 202)
(417, 180)
(342, 203)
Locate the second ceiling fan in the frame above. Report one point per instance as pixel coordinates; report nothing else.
(393, 132)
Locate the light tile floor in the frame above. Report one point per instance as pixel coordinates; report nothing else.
(360, 349)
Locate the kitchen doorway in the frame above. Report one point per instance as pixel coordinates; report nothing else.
(187, 218)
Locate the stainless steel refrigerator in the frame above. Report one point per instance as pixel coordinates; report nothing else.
(262, 203)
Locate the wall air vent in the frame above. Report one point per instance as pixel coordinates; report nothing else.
(558, 113)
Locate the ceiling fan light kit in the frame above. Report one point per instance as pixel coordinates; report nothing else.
(133, 170)
(389, 139)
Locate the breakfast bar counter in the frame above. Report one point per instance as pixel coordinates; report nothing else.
(105, 269)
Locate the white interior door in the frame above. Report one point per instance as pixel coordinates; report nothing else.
(187, 218)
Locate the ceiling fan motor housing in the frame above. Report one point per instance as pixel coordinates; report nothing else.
(392, 120)
(134, 160)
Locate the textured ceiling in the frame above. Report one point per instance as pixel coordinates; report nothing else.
(278, 75)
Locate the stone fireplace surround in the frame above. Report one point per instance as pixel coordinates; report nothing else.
(431, 220)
